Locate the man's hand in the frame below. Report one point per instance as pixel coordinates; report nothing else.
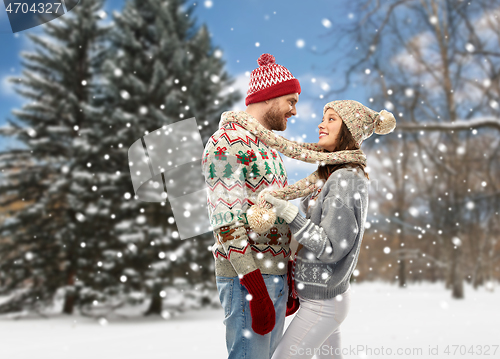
(261, 305)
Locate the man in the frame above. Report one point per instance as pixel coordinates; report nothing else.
(251, 268)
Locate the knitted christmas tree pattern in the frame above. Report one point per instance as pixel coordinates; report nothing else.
(282, 171)
(255, 171)
(211, 170)
(228, 171)
(268, 169)
(243, 174)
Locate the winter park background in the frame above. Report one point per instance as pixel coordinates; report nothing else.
(87, 270)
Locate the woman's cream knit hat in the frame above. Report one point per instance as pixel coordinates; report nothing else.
(362, 121)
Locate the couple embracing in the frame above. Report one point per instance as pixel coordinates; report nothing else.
(259, 279)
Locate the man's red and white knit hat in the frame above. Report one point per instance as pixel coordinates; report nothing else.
(270, 80)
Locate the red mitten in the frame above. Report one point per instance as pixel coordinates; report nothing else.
(261, 305)
(293, 304)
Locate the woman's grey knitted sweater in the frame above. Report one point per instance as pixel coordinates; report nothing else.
(331, 235)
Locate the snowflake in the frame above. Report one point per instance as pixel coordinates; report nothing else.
(315, 273)
(300, 271)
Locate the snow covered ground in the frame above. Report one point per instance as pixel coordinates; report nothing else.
(421, 321)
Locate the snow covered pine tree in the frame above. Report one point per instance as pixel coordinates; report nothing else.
(160, 69)
(50, 247)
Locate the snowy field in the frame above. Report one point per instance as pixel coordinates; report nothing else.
(383, 318)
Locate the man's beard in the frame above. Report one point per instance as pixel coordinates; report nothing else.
(274, 119)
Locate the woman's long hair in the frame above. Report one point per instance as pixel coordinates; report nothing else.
(345, 141)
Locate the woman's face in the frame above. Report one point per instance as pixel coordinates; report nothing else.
(329, 129)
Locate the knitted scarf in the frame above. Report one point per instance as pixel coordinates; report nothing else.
(260, 216)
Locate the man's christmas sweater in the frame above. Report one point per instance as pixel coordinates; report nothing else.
(237, 166)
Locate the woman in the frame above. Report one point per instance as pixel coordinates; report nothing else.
(330, 235)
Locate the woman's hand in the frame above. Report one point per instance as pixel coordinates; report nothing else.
(284, 209)
(292, 304)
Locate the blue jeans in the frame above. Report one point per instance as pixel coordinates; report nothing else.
(241, 341)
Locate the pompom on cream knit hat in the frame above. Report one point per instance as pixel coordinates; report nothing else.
(361, 120)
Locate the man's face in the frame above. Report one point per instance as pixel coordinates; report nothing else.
(280, 110)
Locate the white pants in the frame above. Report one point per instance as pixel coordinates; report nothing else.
(315, 330)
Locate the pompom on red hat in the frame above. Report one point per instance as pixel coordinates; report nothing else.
(270, 80)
